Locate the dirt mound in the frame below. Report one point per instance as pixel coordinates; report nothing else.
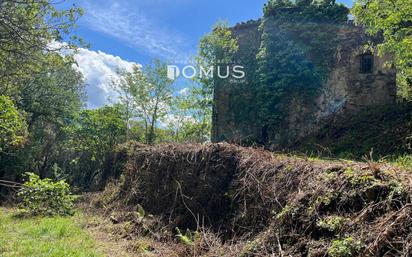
(257, 203)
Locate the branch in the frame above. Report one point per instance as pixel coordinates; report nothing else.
(10, 184)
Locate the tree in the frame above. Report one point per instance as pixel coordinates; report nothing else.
(216, 48)
(44, 85)
(91, 141)
(12, 125)
(158, 93)
(151, 92)
(191, 122)
(126, 87)
(393, 20)
(27, 30)
(49, 101)
(54, 94)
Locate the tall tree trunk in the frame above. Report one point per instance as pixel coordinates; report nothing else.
(153, 123)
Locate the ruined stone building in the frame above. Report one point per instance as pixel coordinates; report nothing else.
(357, 79)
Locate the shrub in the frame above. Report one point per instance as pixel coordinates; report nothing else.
(347, 247)
(332, 223)
(287, 210)
(46, 197)
(188, 238)
(404, 162)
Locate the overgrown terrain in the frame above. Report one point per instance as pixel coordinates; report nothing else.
(385, 131)
(235, 201)
(167, 190)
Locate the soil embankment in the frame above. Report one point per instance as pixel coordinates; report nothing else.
(236, 201)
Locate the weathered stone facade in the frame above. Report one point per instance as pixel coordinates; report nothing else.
(357, 80)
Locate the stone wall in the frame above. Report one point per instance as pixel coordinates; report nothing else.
(226, 126)
(347, 90)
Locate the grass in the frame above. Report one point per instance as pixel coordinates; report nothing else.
(404, 161)
(44, 236)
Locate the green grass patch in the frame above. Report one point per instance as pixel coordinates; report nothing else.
(403, 161)
(44, 236)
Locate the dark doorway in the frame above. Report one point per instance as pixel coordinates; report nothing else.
(366, 63)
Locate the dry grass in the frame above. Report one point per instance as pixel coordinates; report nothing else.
(250, 202)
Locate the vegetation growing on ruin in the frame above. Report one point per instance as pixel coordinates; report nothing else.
(393, 21)
(216, 49)
(296, 54)
(384, 131)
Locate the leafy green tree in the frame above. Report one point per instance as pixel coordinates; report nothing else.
(12, 125)
(54, 94)
(92, 138)
(215, 49)
(156, 96)
(44, 85)
(393, 20)
(49, 101)
(148, 92)
(191, 121)
(127, 87)
(27, 30)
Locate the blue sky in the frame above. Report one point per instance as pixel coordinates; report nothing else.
(139, 30)
(136, 31)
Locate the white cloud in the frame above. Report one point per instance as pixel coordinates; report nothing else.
(175, 121)
(99, 69)
(126, 22)
(184, 91)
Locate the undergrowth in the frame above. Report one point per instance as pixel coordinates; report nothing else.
(386, 130)
(233, 201)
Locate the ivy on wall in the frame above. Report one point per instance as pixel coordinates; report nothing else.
(297, 48)
(215, 49)
(298, 41)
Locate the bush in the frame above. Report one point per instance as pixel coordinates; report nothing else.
(347, 247)
(332, 223)
(46, 197)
